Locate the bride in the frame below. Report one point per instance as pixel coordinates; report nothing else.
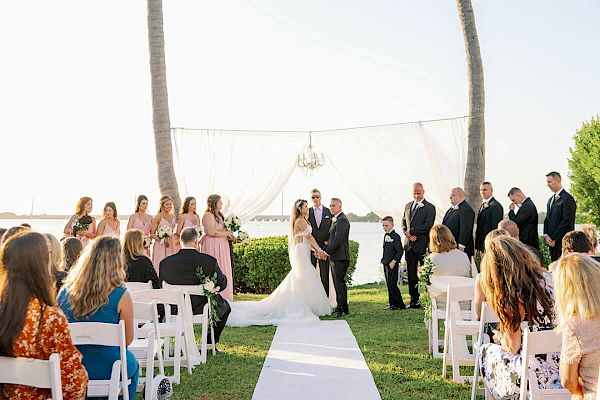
(300, 298)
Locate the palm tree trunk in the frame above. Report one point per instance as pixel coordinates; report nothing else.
(161, 122)
(475, 172)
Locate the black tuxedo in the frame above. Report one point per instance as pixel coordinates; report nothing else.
(180, 269)
(560, 219)
(460, 222)
(487, 220)
(392, 250)
(419, 222)
(339, 253)
(321, 235)
(527, 221)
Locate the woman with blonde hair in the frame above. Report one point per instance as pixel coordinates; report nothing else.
(95, 291)
(82, 225)
(576, 286)
(165, 218)
(139, 268)
(592, 233)
(109, 224)
(214, 241)
(518, 289)
(56, 267)
(446, 257)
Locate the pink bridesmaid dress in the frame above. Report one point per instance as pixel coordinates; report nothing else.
(218, 247)
(190, 224)
(109, 231)
(143, 226)
(160, 251)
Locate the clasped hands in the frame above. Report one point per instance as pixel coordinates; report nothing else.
(321, 255)
(549, 241)
(410, 237)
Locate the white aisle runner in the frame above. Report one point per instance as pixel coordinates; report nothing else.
(314, 362)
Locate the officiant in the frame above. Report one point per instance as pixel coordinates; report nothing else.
(319, 218)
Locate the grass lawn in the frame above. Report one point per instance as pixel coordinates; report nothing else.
(394, 344)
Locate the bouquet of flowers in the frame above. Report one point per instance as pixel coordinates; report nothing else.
(81, 223)
(198, 229)
(425, 273)
(163, 233)
(233, 223)
(242, 237)
(210, 290)
(147, 242)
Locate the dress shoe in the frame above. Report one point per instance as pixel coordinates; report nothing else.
(400, 307)
(414, 305)
(341, 314)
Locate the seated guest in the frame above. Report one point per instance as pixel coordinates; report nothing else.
(517, 288)
(94, 291)
(32, 326)
(446, 258)
(590, 230)
(56, 270)
(13, 231)
(513, 230)
(71, 250)
(139, 268)
(573, 242)
(576, 287)
(180, 269)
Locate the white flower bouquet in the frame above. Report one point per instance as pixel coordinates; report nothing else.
(210, 290)
(233, 223)
(163, 233)
(243, 237)
(198, 229)
(147, 242)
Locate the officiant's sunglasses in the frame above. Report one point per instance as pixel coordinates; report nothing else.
(315, 197)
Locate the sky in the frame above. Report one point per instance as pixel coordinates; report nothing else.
(75, 85)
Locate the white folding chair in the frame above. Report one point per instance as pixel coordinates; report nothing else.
(541, 342)
(437, 315)
(147, 345)
(43, 374)
(199, 319)
(102, 334)
(135, 286)
(458, 325)
(487, 316)
(171, 328)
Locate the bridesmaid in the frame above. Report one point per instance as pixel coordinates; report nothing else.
(140, 219)
(164, 217)
(189, 218)
(83, 209)
(215, 241)
(109, 224)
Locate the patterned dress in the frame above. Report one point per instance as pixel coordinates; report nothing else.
(39, 339)
(501, 371)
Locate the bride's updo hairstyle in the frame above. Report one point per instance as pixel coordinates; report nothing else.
(297, 211)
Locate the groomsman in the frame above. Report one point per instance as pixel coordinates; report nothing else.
(460, 219)
(319, 218)
(525, 214)
(419, 217)
(392, 255)
(489, 215)
(339, 253)
(560, 215)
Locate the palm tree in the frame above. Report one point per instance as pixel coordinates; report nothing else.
(161, 122)
(475, 172)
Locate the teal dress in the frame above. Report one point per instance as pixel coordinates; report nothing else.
(98, 360)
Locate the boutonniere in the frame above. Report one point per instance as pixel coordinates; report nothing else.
(334, 220)
(388, 239)
(420, 205)
(486, 204)
(455, 207)
(327, 217)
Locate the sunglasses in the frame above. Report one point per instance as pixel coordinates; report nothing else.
(315, 197)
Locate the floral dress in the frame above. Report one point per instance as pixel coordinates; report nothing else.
(501, 371)
(40, 338)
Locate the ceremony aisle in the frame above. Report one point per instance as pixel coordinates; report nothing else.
(394, 345)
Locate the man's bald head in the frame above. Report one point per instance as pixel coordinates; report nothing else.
(418, 192)
(510, 227)
(457, 195)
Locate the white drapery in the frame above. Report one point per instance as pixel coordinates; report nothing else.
(250, 168)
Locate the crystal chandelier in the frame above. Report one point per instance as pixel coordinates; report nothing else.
(308, 160)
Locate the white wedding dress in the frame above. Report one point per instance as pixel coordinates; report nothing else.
(299, 299)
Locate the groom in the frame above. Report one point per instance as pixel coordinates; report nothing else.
(339, 254)
(319, 217)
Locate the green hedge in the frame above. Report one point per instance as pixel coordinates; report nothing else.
(260, 264)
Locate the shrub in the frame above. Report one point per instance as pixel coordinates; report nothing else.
(260, 264)
(545, 250)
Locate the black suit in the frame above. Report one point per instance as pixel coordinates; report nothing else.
(321, 235)
(392, 250)
(419, 222)
(180, 269)
(339, 253)
(488, 218)
(527, 221)
(560, 219)
(460, 222)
